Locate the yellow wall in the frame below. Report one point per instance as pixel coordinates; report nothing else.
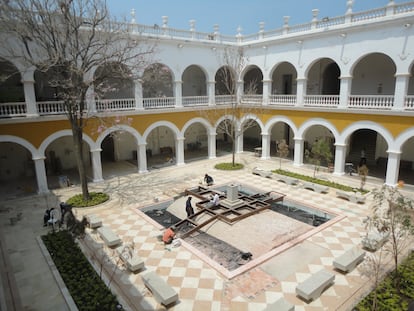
(36, 132)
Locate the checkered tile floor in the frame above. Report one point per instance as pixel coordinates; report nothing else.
(199, 286)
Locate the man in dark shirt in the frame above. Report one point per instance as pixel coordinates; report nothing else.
(188, 207)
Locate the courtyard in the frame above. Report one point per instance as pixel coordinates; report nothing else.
(201, 283)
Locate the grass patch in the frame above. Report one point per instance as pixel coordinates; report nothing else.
(86, 288)
(95, 199)
(388, 298)
(229, 166)
(319, 181)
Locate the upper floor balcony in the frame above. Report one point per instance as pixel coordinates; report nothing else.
(355, 103)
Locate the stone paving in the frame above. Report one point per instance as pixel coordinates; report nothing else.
(200, 283)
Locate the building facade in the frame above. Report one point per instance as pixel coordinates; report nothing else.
(347, 79)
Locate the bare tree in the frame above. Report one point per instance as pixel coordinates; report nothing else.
(320, 151)
(391, 215)
(72, 40)
(233, 61)
(282, 150)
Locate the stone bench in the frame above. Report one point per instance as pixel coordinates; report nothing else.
(287, 180)
(261, 172)
(280, 305)
(133, 263)
(349, 260)
(351, 197)
(312, 288)
(374, 240)
(162, 292)
(315, 187)
(93, 221)
(109, 237)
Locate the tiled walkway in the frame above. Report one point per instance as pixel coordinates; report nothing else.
(202, 287)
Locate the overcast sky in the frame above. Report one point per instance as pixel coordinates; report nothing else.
(229, 14)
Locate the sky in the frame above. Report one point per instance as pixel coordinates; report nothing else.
(229, 14)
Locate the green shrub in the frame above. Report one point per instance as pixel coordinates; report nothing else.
(229, 166)
(318, 181)
(86, 288)
(388, 298)
(95, 199)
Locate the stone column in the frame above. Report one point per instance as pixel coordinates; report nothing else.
(239, 141)
(298, 153)
(239, 90)
(212, 145)
(345, 91)
(90, 98)
(178, 93)
(267, 86)
(41, 178)
(30, 97)
(300, 91)
(393, 167)
(211, 91)
(265, 146)
(179, 150)
(401, 87)
(96, 165)
(142, 158)
(340, 156)
(139, 105)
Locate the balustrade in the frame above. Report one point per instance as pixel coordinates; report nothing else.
(384, 102)
(321, 100)
(377, 102)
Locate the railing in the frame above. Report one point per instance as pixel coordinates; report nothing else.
(51, 107)
(158, 103)
(256, 99)
(282, 100)
(321, 100)
(372, 14)
(378, 102)
(225, 99)
(194, 101)
(8, 110)
(409, 103)
(115, 104)
(384, 102)
(164, 30)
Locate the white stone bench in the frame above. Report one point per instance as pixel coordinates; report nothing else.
(109, 237)
(374, 240)
(312, 288)
(280, 305)
(93, 221)
(287, 180)
(352, 197)
(315, 187)
(133, 263)
(261, 172)
(349, 260)
(162, 292)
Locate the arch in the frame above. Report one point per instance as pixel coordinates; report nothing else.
(22, 142)
(251, 117)
(168, 124)
(113, 81)
(252, 80)
(120, 127)
(283, 77)
(276, 119)
(401, 140)
(158, 80)
(204, 122)
(317, 121)
(194, 79)
(56, 135)
(342, 139)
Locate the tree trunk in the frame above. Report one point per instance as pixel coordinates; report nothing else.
(78, 144)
